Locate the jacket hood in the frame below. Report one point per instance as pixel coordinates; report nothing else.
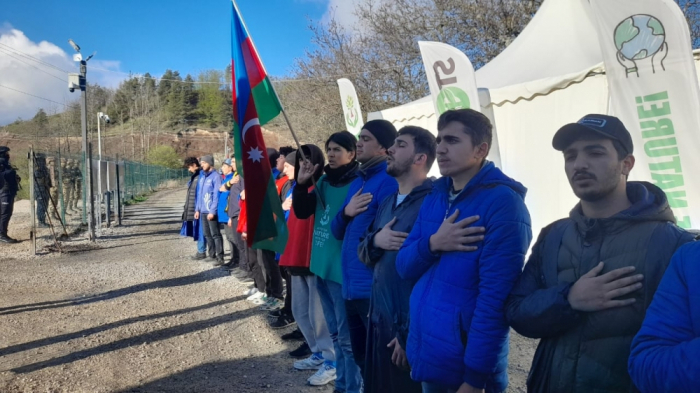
(315, 155)
(489, 176)
(649, 203)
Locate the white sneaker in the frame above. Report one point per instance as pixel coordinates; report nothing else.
(323, 376)
(272, 304)
(260, 300)
(313, 362)
(251, 291)
(255, 296)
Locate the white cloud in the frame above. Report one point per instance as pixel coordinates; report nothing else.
(344, 12)
(20, 70)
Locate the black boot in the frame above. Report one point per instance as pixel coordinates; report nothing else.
(7, 239)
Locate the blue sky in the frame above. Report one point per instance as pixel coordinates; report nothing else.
(139, 36)
(150, 36)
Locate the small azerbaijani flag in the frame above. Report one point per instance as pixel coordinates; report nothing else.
(255, 103)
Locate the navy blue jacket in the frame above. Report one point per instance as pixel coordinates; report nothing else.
(357, 278)
(588, 351)
(666, 352)
(390, 293)
(458, 332)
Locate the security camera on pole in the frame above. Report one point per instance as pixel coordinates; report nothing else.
(80, 81)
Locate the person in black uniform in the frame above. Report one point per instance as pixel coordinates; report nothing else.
(9, 184)
(42, 185)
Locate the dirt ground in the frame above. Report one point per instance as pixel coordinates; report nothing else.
(134, 314)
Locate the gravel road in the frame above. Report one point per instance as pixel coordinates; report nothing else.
(134, 314)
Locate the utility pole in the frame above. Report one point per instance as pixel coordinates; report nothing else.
(87, 177)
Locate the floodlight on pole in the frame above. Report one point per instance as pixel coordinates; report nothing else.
(74, 45)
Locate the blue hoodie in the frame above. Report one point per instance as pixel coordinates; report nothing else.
(459, 296)
(357, 278)
(665, 354)
(208, 197)
(223, 201)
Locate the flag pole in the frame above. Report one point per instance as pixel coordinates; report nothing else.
(284, 113)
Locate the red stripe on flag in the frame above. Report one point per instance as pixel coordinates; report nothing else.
(256, 71)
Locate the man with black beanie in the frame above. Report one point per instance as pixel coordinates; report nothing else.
(361, 204)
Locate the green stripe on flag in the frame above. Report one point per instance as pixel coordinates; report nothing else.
(266, 102)
(271, 205)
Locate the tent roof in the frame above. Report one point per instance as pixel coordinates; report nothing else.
(558, 47)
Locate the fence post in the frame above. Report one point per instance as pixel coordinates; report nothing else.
(32, 199)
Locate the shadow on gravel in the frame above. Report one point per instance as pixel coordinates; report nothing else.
(200, 277)
(273, 374)
(150, 337)
(98, 329)
(135, 235)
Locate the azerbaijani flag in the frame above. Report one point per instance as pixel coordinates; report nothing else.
(255, 103)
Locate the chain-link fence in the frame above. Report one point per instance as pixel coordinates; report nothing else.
(61, 196)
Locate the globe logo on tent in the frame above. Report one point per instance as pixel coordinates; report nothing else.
(452, 98)
(640, 37)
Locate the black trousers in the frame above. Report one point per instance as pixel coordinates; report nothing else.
(42, 204)
(380, 374)
(287, 309)
(7, 205)
(239, 248)
(358, 322)
(256, 269)
(215, 242)
(273, 275)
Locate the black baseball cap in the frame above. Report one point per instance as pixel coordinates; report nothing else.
(4, 150)
(608, 127)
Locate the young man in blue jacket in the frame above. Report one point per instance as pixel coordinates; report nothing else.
(365, 195)
(206, 208)
(591, 276)
(458, 337)
(222, 214)
(666, 352)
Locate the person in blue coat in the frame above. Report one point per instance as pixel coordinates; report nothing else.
(365, 195)
(458, 335)
(206, 208)
(222, 214)
(665, 353)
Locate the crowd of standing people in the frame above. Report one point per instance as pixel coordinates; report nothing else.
(399, 282)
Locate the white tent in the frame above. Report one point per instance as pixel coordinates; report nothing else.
(551, 75)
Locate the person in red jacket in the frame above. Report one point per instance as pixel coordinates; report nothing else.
(306, 304)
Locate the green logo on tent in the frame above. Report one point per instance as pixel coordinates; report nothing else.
(640, 37)
(351, 118)
(452, 98)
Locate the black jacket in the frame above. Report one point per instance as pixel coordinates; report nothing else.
(587, 352)
(9, 181)
(188, 211)
(234, 206)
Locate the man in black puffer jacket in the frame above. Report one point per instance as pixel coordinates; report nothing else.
(190, 226)
(9, 185)
(590, 278)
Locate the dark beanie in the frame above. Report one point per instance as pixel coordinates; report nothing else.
(345, 139)
(383, 130)
(273, 155)
(290, 158)
(209, 160)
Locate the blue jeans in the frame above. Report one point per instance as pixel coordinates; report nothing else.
(436, 388)
(201, 242)
(348, 377)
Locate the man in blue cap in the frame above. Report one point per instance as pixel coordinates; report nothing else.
(590, 277)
